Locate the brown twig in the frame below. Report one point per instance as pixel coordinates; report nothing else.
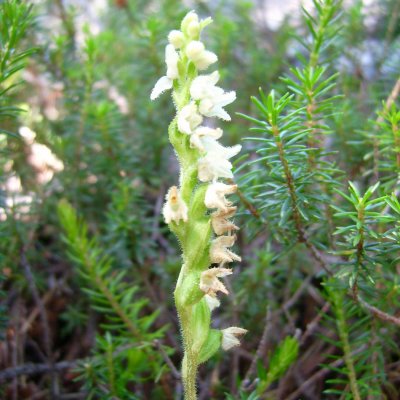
(176, 374)
(268, 325)
(319, 375)
(44, 368)
(388, 103)
(377, 312)
(253, 210)
(312, 326)
(47, 342)
(35, 369)
(36, 312)
(262, 345)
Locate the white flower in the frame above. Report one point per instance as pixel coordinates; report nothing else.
(210, 168)
(166, 82)
(215, 163)
(204, 86)
(211, 98)
(220, 221)
(229, 338)
(201, 132)
(215, 195)
(189, 118)
(200, 57)
(212, 302)
(176, 38)
(219, 253)
(209, 282)
(211, 145)
(175, 208)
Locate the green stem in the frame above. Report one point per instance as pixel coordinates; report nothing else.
(190, 359)
(194, 240)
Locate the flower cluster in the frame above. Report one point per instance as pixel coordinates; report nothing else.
(198, 99)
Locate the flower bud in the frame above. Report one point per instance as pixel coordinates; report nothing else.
(193, 30)
(190, 18)
(194, 50)
(176, 38)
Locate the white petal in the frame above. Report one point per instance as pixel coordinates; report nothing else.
(176, 38)
(189, 118)
(212, 302)
(195, 142)
(206, 59)
(219, 100)
(194, 50)
(215, 133)
(202, 85)
(212, 145)
(206, 107)
(213, 166)
(171, 59)
(183, 124)
(229, 338)
(215, 195)
(161, 86)
(227, 98)
(220, 113)
(232, 151)
(201, 133)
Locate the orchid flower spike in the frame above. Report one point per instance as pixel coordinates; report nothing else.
(205, 237)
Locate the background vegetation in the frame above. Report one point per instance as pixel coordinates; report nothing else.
(87, 266)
